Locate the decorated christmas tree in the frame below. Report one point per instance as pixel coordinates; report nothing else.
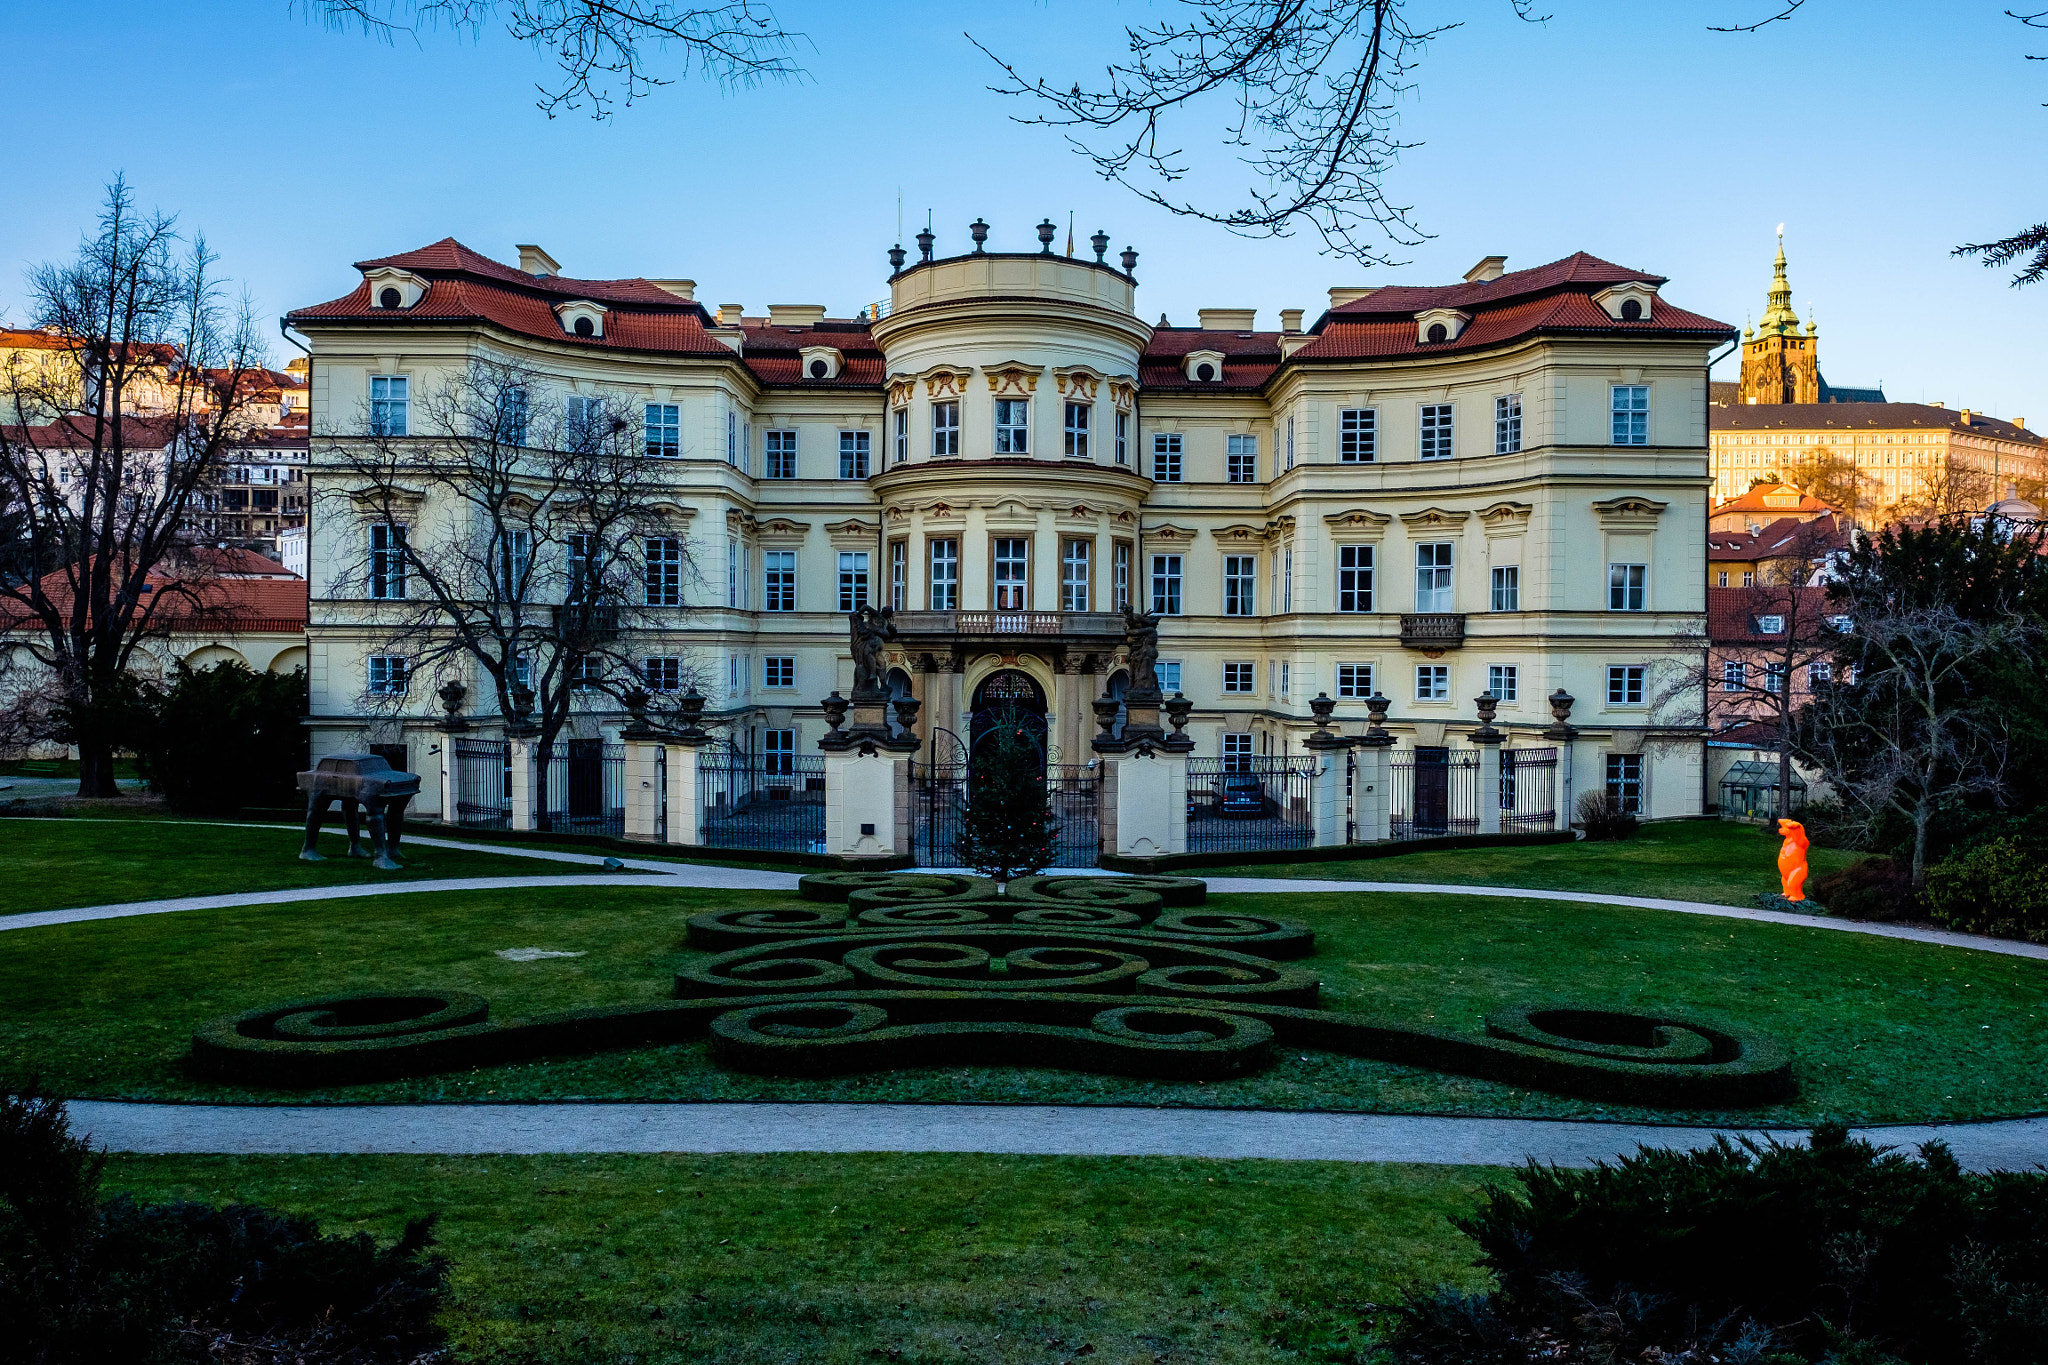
(1008, 829)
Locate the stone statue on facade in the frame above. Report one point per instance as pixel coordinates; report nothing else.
(871, 630)
(1141, 635)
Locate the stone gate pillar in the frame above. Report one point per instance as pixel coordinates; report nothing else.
(1145, 785)
(1561, 734)
(1326, 798)
(521, 744)
(867, 781)
(680, 771)
(1488, 741)
(1371, 785)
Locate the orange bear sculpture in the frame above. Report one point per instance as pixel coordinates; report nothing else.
(1792, 859)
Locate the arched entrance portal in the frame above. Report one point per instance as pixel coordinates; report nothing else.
(1008, 695)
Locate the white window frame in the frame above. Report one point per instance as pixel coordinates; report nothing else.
(663, 574)
(661, 430)
(662, 673)
(1436, 576)
(1076, 565)
(1241, 459)
(778, 752)
(942, 557)
(1076, 431)
(1507, 424)
(390, 405)
(1120, 570)
(855, 447)
(778, 670)
(1432, 682)
(1167, 450)
(778, 580)
(1237, 751)
(901, 425)
(1009, 578)
(853, 580)
(1240, 678)
(1168, 672)
(779, 446)
(1625, 775)
(1629, 407)
(1355, 682)
(1506, 587)
(1504, 681)
(1354, 578)
(1240, 585)
(899, 574)
(386, 675)
(1013, 426)
(1290, 440)
(1734, 675)
(387, 562)
(1358, 436)
(1436, 431)
(1628, 587)
(1167, 598)
(946, 429)
(1123, 438)
(1627, 684)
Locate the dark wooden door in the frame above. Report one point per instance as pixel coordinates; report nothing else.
(586, 779)
(1432, 791)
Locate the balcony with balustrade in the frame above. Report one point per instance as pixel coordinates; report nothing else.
(1432, 629)
(1085, 629)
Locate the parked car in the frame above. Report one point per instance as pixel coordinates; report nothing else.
(1244, 797)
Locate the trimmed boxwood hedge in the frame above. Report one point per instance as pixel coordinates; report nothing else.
(1074, 973)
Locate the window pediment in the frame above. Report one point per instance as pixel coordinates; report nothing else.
(853, 531)
(1013, 376)
(1434, 519)
(1078, 382)
(945, 381)
(581, 317)
(1631, 510)
(386, 280)
(820, 362)
(1359, 523)
(1505, 518)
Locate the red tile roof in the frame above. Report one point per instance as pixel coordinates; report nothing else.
(1732, 612)
(1785, 536)
(75, 433)
(1756, 499)
(217, 599)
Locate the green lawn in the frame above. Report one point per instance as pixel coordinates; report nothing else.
(56, 864)
(1880, 1029)
(912, 1258)
(1719, 861)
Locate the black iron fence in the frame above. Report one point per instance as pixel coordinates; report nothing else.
(585, 788)
(1528, 790)
(1241, 803)
(939, 796)
(483, 783)
(1435, 792)
(766, 801)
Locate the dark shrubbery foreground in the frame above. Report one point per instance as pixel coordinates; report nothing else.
(1602, 817)
(1998, 887)
(1879, 889)
(1751, 1255)
(84, 1279)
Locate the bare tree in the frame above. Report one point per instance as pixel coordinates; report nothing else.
(502, 525)
(1897, 733)
(1832, 476)
(1759, 649)
(100, 556)
(1946, 490)
(602, 49)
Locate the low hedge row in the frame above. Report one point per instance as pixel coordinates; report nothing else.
(927, 1028)
(720, 931)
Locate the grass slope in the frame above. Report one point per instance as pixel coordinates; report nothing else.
(57, 864)
(856, 1258)
(1718, 861)
(1880, 1029)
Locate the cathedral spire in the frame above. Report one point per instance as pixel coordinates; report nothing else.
(1779, 319)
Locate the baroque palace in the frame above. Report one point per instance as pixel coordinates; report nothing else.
(1494, 487)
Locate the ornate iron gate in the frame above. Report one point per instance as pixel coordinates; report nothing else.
(1241, 803)
(483, 783)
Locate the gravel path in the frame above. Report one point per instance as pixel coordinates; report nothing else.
(1017, 1130)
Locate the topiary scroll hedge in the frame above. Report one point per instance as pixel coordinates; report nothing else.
(1129, 976)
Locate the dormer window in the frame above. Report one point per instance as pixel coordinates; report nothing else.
(394, 289)
(820, 362)
(1629, 301)
(1203, 367)
(1433, 326)
(582, 318)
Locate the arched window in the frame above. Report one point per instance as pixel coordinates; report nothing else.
(585, 327)
(1205, 372)
(390, 298)
(819, 369)
(1439, 332)
(1631, 310)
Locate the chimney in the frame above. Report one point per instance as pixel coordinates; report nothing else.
(1290, 319)
(1227, 319)
(795, 314)
(1340, 297)
(1490, 268)
(729, 314)
(534, 261)
(1966, 417)
(2020, 422)
(685, 290)
(1937, 403)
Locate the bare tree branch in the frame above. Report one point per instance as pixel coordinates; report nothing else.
(1791, 7)
(603, 50)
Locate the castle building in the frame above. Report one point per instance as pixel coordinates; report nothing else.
(1781, 359)
(1496, 486)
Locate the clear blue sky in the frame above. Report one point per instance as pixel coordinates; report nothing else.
(1881, 133)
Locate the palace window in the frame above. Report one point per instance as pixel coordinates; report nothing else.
(1123, 438)
(1354, 578)
(664, 574)
(779, 455)
(1628, 587)
(1625, 685)
(1121, 557)
(1504, 681)
(1074, 575)
(1238, 678)
(1290, 441)
(945, 575)
(778, 670)
(1012, 556)
(1165, 457)
(387, 562)
(1357, 441)
(1166, 584)
(1242, 459)
(1237, 750)
(899, 573)
(390, 408)
(853, 579)
(1169, 677)
(1507, 587)
(1774, 678)
(778, 752)
(511, 424)
(1433, 587)
(901, 425)
(1436, 431)
(583, 415)
(945, 430)
(778, 580)
(663, 430)
(387, 675)
(1631, 404)
(853, 454)
(1734, 675)
(1507, 424)
(1432, 682)
(1354, 681)
(1625, 782)
(1239, 575)
(1077, 431)
(662, 674)
(1013, 420)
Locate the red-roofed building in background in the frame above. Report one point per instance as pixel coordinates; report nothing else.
(1496, 486)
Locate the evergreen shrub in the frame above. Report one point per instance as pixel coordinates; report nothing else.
(222, 738)
(1999, 887)
(1879, 889)
(85, 1279)
(1750, 1252)
(1602, 817)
